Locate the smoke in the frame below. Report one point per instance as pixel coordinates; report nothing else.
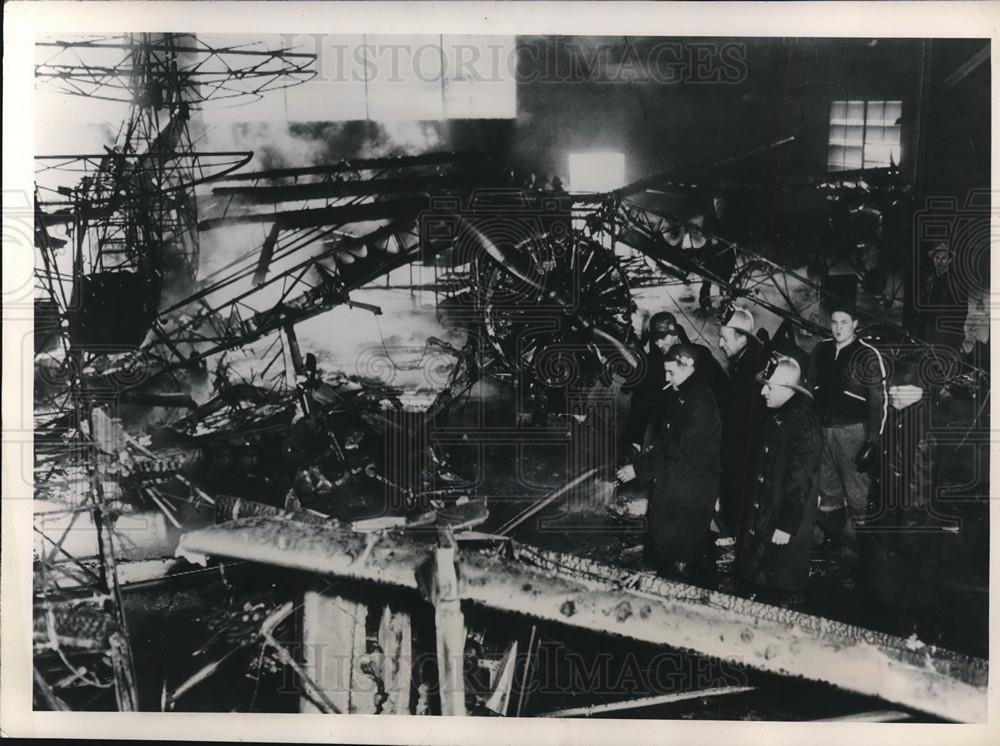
(274, 145)
(406, 138)
(279, 145)
(366, 139)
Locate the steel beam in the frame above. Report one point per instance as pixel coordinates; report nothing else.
(326, 216)
(269, 194)
(363, 164)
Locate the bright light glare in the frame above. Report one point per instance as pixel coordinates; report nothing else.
(596, 172)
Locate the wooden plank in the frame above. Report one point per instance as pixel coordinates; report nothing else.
(449, 625)
(499, 699)
(395, 637)
(747, 633)
(333, 644)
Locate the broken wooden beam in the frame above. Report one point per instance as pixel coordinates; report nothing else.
(923, 678)
(440, 575)
(333, 649)
(395, 638)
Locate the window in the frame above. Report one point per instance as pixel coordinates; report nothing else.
(596, 172)
(864, 134)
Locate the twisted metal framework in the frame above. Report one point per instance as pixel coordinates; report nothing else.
(129, 217)
(355, 222)
(161, 70)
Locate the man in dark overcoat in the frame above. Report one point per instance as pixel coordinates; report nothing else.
(742, 413)
(646, 413)
(684, 462)
(772, 559)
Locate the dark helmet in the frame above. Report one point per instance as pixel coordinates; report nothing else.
(663, 324)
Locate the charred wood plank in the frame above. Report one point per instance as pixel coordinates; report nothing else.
(395, 638)
(333, 647)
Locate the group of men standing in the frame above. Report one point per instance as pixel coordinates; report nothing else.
(768, 451)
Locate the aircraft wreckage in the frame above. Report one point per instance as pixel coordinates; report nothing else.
(238, 469)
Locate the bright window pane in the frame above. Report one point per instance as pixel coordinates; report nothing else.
(876, 155)
(864, 134)
(876, 112)
(835, 157)
(852, 158)
(855, 135)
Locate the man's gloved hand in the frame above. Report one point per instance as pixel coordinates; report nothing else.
(866, 457)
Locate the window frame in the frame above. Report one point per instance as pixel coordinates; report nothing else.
(877, 139)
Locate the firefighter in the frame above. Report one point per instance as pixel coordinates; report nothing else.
(684, 462)
(772, 560)
(741, 409)
(644, 420)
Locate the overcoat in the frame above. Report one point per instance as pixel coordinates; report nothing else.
(684, 462)
(742, 411)
(646, 410)
(782, 495)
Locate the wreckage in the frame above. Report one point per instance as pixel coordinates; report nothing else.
(260, 469)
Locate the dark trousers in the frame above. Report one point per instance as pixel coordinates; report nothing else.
(770, 596)
(701, 571)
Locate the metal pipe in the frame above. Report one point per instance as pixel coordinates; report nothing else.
(524, 515)
(659, 699)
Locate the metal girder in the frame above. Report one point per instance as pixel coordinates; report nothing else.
(269, 194)
(321, 216)
(164, 69)
(673, 614)
(363, 164)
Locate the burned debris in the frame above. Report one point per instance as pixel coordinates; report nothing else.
(400, 524)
